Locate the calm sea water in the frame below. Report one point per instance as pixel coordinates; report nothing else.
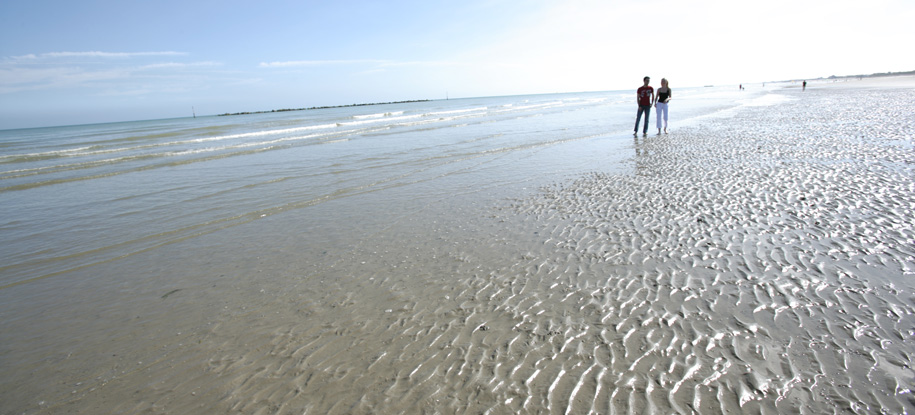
(81, 195)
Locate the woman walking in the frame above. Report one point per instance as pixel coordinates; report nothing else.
(663, 97)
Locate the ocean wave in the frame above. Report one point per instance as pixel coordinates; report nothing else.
(378, 115)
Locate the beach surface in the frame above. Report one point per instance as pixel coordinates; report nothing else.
(756, 260)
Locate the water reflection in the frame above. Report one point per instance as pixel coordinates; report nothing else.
(643, 149)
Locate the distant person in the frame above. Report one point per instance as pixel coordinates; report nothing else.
(804, 88)
(664, 96)
(644, 96)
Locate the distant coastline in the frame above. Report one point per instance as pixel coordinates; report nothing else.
(321, 108)
(873, 75)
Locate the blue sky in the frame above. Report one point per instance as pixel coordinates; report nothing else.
(76, 62)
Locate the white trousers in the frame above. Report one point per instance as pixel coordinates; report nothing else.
(661, 111)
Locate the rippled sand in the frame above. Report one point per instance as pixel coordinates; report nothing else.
(759, 261)
(762, 262)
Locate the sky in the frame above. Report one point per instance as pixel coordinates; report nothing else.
(67, 62)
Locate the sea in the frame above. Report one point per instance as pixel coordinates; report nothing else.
(75, 196)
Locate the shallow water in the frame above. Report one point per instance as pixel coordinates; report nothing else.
(756, 259)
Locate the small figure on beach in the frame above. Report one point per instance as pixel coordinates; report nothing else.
(741, 87)
(644, 96)
(663, 97)
(804, 88)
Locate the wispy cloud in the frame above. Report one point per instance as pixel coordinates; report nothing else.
(421, 63)
(178, 65)
(95, 70)
(22, 79)
(290, 64)
(378, 63)
(95, 54)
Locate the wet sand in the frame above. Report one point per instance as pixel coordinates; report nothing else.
(758, 261)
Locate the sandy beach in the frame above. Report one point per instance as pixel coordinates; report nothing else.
(757, 260)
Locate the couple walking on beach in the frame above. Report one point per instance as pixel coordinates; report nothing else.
(646, 98)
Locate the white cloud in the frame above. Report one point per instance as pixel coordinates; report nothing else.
(421, 63)
(96, 54)
(23, 79)
(379, 62)
(290, 64)
(177, 65)
(95, 70)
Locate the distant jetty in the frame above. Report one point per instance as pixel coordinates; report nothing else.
(324, 107)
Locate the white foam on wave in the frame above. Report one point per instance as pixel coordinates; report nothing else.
(460, 111)
(393, 118)
(46, 154)
(377, 115)
(182, 152)
(96, 150)
(374, 120)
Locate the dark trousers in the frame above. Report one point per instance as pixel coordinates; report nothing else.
(647, 110)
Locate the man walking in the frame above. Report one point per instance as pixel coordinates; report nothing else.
(644, 98)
